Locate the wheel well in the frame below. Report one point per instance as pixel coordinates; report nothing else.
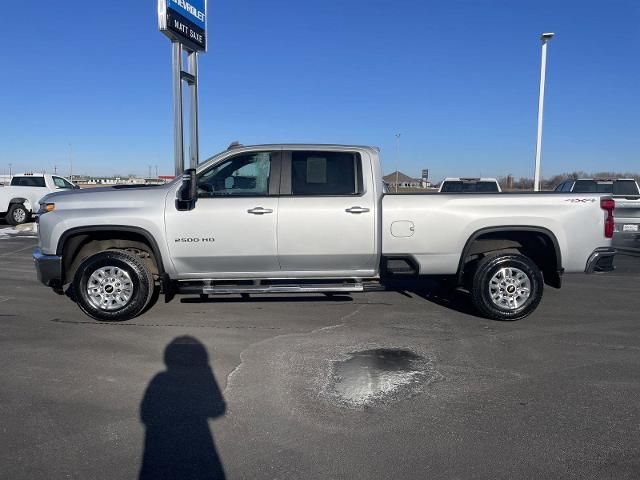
(539, 245)
(79, 246)
(19, 201)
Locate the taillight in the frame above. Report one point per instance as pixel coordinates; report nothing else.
(608, 204)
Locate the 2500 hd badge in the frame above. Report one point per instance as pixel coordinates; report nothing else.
(195, 240)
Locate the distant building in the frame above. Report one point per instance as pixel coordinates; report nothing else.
(402, 180)
(103, 180)
(135, 181)
(91, 181)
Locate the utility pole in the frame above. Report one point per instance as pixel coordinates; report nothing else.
(397, 159)
(156, 171)
(10, 170)
(543, 71)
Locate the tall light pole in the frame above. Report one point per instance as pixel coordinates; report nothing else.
(10, 165)
(543, 70)
(397, 158)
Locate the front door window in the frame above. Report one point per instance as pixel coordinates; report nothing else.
(244, 175)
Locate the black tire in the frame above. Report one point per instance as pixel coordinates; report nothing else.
(17, 214)
(510, 302)
(141, 285)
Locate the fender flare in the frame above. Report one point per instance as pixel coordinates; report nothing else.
(20, 200)
(512, 228)
(113, 228)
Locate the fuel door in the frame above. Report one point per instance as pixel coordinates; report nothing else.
(402, 228)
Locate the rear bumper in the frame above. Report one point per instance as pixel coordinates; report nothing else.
(601, 260)
(48, 268)
(626, 240)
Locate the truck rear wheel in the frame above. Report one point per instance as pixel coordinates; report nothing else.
(17, 214)
(112, 286)
(507, 287)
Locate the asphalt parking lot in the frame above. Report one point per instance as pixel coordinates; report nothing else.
(374, 386)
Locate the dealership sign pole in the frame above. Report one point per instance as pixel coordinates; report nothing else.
(185, 23)
(543, 71)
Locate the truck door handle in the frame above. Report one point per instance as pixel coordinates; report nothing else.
(357, 210)
(259, 210)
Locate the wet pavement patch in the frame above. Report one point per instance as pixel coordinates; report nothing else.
(378, 376)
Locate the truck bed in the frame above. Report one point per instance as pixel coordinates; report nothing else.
(434, 228)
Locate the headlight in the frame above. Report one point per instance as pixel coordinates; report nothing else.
(46, 208)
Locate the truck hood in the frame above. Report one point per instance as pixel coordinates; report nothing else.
(107, 196)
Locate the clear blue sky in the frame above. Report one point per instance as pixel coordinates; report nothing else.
(458, 79)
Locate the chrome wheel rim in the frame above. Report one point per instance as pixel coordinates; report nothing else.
(19, 215)
(109, 288)
(509, 288)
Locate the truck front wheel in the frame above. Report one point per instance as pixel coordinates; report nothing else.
(113, 285)
(17, 214)
(507, 287)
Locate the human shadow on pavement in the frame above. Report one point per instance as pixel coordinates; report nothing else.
(175, 410)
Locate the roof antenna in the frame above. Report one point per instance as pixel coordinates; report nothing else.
(234, 144)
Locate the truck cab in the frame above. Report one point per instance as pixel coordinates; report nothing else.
(310, 213)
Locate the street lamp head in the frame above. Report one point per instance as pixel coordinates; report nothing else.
(545, 37)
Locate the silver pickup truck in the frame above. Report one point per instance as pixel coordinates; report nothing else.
(311, 218)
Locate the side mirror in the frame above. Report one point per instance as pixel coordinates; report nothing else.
(76, 187)
(188, 192)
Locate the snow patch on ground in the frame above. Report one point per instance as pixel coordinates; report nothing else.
(27, 230)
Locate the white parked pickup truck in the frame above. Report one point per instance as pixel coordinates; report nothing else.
(20, 199)
(311, 218)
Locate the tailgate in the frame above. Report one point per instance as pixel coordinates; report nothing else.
(627, 207)
(627, 222)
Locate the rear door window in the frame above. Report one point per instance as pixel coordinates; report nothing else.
(326, 173)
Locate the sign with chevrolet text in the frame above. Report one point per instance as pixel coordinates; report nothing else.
(184, 21)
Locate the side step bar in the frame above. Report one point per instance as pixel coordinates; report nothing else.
(278, 288)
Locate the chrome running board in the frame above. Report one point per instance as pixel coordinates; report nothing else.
(311, 288)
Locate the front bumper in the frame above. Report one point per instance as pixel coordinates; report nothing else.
(601, 260)
(49, 268)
